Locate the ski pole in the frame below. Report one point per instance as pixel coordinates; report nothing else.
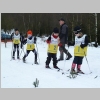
(37, 53)
(87, 62)
(21, 51)
(65, 62)
(11, 51)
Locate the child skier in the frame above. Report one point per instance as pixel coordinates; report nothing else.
(53, 43)
(16, 41)
(80, 50)
(30, 46)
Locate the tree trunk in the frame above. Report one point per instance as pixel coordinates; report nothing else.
(96, 27)
(29, 22)
(89, 29)
(81, 18)
(73, 28)
(77, 18)
(24, 23)
(39, 27)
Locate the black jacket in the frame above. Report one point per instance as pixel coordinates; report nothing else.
(63, 33)
(86, 42)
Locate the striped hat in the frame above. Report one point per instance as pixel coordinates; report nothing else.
(77, 29)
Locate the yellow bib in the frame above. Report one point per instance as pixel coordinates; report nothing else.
(52, 48)
(30, 46)
(16, 41)
(78, 51)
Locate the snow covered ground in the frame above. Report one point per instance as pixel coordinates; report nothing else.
(16, 74)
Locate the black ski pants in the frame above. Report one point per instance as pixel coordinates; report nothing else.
(78, 60)
(51, 55)
(28, 51)
(15, 46)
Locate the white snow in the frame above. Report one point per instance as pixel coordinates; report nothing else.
(16, 74)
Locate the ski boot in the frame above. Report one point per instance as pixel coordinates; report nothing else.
(79, 71)
(24, 60)
(36, 62)
(56, 67)
(13, 58)
(69, 56)
(73, 72)
(47, 66)
(18, 58)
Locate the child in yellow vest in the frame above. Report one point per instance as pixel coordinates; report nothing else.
(53, 43)
(80, 49)
(30, 46)
(16, 42)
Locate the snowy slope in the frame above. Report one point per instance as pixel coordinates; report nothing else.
(16, 74)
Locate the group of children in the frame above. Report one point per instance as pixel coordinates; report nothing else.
(53, 41)
(19, 41)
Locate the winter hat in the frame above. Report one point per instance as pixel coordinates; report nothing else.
(61, 19)
(16, 29)
(77, 29)
(56, 30)
(29, 32)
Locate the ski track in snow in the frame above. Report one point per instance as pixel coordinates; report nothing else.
(16, 74)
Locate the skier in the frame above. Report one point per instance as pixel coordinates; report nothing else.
(80, 50)
(30, 46)
(53, 43)
(63, 35)
(15, 37)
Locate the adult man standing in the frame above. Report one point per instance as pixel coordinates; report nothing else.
(63, 35)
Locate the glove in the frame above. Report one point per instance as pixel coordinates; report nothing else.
(60, 44)
(48, 42)
(21, 46)
(82, 46)
(34, 42)
(35, 39)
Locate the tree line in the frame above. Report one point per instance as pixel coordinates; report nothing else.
(43, 23)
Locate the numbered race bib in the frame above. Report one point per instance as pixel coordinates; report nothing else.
(52, 48)
(30, 46)
(78, 51)
(16, 41)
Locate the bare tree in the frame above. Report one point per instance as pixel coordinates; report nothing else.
(29, 22)
(89, 28)
(39, 27)
(77, 18)
(24, 22)
(72, 28)
(96, 27)
(44, 22)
